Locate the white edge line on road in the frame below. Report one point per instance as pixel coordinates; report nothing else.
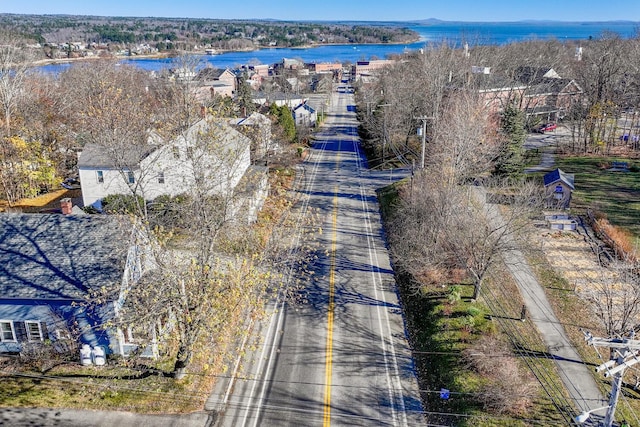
(395, 390)
(279, 321)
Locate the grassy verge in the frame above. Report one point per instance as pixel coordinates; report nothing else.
(104, 388)
(444, 321)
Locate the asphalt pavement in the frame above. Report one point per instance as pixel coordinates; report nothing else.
(337, 353)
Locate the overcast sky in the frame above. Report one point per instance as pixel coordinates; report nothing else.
(360, 10)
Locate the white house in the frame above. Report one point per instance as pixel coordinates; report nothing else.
(305, 115)
(210, 152)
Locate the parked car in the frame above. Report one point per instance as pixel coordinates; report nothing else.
(72, 183)
(547, 127)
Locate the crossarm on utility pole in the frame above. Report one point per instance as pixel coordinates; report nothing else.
(626, 352)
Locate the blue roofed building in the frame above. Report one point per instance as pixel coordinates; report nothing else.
(63, 277)
(558, 186)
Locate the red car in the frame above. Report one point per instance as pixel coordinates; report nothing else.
(547, 127)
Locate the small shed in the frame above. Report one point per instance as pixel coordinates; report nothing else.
(558, 187)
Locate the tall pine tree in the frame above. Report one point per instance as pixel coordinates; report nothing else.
(509, 161)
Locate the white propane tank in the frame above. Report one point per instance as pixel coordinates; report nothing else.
(85, 355)
(98, 356)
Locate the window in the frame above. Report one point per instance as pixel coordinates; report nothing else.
(34, 331)
(131, 177)
(558, 194)
(7, 333)
(100, 175)
(161, 178)
(176, 152)
(128, 335)
(189, 152)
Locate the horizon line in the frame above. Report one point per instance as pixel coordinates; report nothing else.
(408, 21)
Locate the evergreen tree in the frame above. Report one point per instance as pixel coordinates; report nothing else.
(285, 118)
(243, 97)
(509, 161)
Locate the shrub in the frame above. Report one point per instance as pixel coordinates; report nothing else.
(455, 294)
(507, 388)
(168, 212)
(122, 204)
(620, 240)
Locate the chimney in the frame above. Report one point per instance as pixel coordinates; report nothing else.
(66, 206)
(203, 111)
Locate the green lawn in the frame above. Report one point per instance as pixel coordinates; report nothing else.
(617, 194)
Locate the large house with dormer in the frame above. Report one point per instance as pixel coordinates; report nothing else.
(211, 154)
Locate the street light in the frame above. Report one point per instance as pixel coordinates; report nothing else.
(584, 416)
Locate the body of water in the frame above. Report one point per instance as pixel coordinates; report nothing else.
(455, 33)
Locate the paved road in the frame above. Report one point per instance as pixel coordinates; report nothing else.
(338, 354)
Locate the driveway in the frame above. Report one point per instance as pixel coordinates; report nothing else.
(546, 143)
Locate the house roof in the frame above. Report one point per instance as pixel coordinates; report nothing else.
(558, 175)
(97, 156)
(549, 85)
(493, 82)
(220, 132)
(210, 73)
(254, 118)
(60, 256)
(534, 75)
(304, 106)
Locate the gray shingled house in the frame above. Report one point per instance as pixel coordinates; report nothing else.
(51, 265)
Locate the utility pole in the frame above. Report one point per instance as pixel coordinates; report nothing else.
(624, 353)
(424, 136)
(384, 130)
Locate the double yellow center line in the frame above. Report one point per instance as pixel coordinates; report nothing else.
(331, 308)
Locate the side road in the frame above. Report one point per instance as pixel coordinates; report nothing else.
(575, 375)
(22, 417)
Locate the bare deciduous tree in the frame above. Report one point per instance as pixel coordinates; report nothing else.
(615, 296)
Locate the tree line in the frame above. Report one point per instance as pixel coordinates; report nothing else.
(186, 33)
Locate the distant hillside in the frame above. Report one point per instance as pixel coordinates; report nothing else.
(434, 21)
(189, 34)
